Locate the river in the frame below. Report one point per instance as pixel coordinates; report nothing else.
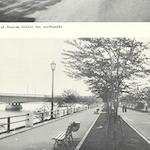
(27, 107)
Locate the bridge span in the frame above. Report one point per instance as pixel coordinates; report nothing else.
(23, 98)
(14, 100)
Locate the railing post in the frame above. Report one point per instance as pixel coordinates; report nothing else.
(55, 114)
(61, 113)
(29, 120)
(42, 116)
(49, 115)
(64, 112)
(68, 111)
(8, 125)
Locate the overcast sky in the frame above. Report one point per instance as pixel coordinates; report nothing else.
(25, 66)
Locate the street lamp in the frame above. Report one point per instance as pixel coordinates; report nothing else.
(53, 66)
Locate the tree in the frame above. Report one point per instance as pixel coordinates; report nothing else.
(145, 94)
(89, 100)
(105, 63)
(70, 97)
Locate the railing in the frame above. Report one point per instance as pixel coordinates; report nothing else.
(34, 118)
(43, 116)
(8, 124)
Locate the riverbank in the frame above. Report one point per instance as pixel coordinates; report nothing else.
(102, 138)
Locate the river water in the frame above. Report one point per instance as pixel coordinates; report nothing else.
(27, 107)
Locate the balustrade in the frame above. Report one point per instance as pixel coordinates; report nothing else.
(6, 122)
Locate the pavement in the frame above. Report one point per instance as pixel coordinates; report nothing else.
(40, 137)
(139, 121)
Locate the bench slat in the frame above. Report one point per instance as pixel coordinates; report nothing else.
(59, 136)
(62, 137)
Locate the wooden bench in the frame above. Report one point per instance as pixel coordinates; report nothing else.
(63, 138)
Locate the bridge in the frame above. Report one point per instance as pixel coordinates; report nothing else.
(14, 100)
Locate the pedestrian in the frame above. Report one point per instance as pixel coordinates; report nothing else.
(123, 108)
(97, 110)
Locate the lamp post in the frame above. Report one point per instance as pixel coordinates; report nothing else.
(53, 66)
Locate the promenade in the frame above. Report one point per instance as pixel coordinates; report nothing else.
(138, 120)
(40, 137)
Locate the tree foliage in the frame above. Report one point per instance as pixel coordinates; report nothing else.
(70, 96)
(105, 63)
(88, 100)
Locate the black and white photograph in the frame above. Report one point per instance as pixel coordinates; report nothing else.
(74, 11)
(82, 93)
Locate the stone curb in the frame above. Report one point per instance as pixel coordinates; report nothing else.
(86, 134)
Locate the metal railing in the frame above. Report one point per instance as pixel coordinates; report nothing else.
(38, 117)
(8, 124)
(43, 116)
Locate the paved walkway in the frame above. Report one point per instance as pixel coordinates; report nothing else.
(139, 120)
(40, 138)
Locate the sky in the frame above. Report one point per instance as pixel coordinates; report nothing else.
(25, 66)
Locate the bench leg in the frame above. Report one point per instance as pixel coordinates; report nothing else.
(65, 142)
(55, 144)
(71, 136)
